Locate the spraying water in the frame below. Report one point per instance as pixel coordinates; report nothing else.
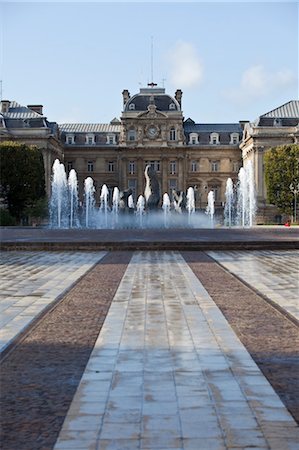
(210, 210)
(166, 209)
(190, 203)
(246, 205)
(104, 203)
(229, 203)
(115, 205)
(73, 196)
(140, 207)
(59, 197)
(89, 204)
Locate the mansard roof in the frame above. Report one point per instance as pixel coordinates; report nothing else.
(89, 128)
(191, 127)
(17, 111)
(289, 110)
(148, 96)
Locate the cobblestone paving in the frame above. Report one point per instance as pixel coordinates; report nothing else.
(168, 372)
(31, 281)
(40, 376)
(273, 273)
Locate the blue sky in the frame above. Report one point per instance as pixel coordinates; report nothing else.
(232, 60)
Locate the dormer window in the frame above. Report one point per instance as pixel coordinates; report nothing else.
(214, 138)
(277, 122)
(172, 134)
(193, 138)
(111, 139)
(234, 138)
(132, 135)
(90, 139)
(70, 139)
(172, 106)
(132, 106)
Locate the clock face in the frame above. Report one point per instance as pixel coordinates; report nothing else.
(152, 132)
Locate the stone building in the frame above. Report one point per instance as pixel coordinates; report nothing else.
(277, 127)
(28, 125)
(152, 130)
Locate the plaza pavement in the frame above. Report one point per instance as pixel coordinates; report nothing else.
(168, 372)
(32, 282)
(274, 274)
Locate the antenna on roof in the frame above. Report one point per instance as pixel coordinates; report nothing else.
(152, 84)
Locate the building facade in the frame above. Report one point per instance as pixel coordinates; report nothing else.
(152, 131)
(276, 127)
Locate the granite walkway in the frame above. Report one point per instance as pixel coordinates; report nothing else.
(32, 281)
(168, 372)
(274, 274)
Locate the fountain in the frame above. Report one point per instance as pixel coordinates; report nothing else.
(166, 209)
(59, 198)
(104, 204)
(210, 210)
(190, 203)
(115, 206)
(73, 193)
(89, 202)
(229, 204)
(140, 207)
(246, 203)
(115, 212)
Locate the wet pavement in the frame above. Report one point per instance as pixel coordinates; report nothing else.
(168, 372)
(273, 274)
(32, 281)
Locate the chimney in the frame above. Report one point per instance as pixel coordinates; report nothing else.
(5, 104)
(243, 123)
(178, 96)
(126, 96)
(36, 108)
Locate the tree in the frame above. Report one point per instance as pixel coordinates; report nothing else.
(22, 177)
(281, 170)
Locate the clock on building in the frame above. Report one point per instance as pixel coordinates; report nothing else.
(152, 132)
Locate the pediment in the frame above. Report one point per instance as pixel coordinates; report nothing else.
(152, 114)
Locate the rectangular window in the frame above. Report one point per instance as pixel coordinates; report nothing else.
(172, 135)
(132, 185)
(70, 140)
(154, 165)
(193, 166)
(215, 166)
(216, 192)
(131, 135)
(90, 166)
(235, 166)
(173, 184)
(90, 140)
(172, 167)
(70, 165)
(131, 167)
(111, 166)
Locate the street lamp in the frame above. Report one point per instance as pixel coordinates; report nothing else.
(295, 190)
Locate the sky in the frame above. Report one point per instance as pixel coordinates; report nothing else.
(232, 60)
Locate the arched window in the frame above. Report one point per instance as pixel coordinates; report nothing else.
(171, 106)
(132, 106)
(193, 138)
(214, 138)
(234, 138)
